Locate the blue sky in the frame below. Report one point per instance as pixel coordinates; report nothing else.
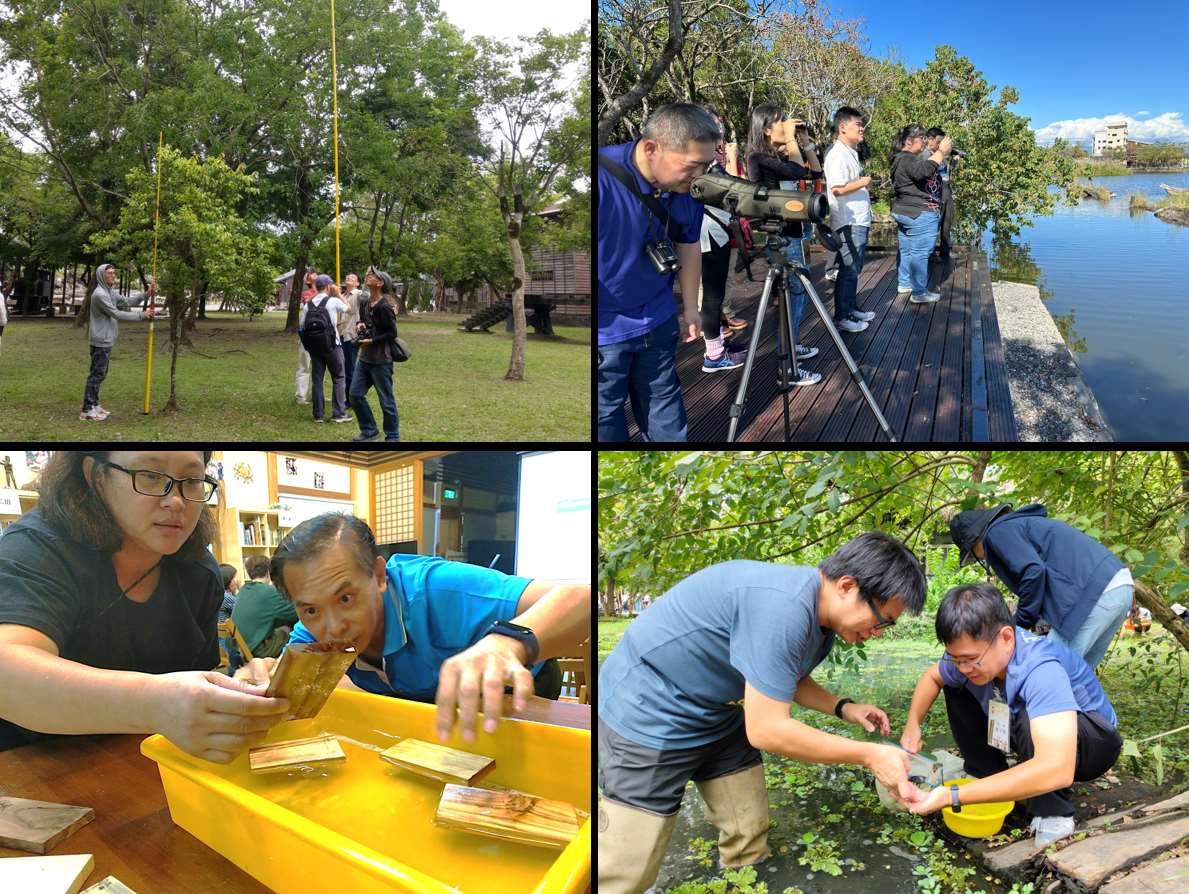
(1074, 64)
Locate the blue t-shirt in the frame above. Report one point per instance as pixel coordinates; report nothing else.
(1043, 677)
(433, 609)
(633, 298)
(676, 678)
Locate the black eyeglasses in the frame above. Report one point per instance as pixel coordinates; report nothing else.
(882, 622)
(959, 663)
(158, 484)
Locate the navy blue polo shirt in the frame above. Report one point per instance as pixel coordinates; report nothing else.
(633, 298)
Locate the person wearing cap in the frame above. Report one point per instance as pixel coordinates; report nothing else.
(377, 333)
(1060, 574)
(319, 363)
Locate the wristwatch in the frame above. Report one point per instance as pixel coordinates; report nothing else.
(838, 707)
(515, 631)
(954, 805)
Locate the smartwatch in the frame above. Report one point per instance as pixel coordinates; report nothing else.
(517, 632)
(954, 805)
(838, 707)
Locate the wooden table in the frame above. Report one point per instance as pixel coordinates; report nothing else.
(132, 835)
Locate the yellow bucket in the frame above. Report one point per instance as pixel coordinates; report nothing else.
(366, 826)
(976, 820)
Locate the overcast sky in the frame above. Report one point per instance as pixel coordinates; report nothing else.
(506, 19)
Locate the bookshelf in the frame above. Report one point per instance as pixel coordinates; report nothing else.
(254, 532)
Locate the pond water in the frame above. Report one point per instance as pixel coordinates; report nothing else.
(1118, 285)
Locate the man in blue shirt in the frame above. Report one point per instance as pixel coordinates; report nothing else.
(1050, 707)
(703, 680)
(425, 629)
(638, 331)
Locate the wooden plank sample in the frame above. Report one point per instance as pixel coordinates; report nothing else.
(512, 816)
(110, 885)
(307, 674)
(45, 875)
(36, 826)
(438, 762)
(281, 755)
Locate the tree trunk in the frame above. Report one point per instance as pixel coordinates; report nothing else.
(516, 366)
(1162, 613)
(299, 273)
(618, 106)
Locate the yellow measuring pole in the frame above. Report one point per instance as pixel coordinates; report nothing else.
(148, 373)
(334, 80)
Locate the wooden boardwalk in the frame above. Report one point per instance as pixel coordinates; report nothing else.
(936, 370)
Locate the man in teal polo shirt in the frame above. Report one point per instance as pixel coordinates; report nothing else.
(638, 332)
(426, 629)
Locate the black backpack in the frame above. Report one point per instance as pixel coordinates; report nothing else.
(317, 332)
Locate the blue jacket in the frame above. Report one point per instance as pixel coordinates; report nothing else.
(1057, 571)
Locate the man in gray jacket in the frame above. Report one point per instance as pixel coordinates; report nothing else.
(107, 306)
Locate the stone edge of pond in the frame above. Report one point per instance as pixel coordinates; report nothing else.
(1051, 399)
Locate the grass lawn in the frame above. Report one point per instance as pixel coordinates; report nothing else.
(238, 384)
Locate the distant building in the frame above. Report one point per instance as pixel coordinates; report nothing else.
(1114, 137)
(1132, 148)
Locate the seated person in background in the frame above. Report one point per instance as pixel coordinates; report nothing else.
(426, 629)
(230, 588)
(263, 616)
(1010, 690)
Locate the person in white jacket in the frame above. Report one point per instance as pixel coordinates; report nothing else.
(107, 306)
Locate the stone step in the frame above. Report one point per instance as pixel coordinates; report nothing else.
(1169, 877)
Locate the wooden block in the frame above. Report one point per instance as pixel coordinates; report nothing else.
(513, 816)
(110, 885)
(36, 826)
(1090, 861)
(280, 755)
(1169, 877)
(438, 762)
(45, 875)
(307, 674)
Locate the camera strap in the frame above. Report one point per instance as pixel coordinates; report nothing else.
(649, 201)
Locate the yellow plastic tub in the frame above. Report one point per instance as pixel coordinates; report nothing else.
(976, 820)
(363, 825)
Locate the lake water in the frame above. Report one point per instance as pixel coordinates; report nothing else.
(1118, 286)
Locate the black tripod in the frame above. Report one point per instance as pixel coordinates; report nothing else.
(779, 269)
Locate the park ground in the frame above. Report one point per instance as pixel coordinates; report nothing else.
(829, 835)
(237, 383)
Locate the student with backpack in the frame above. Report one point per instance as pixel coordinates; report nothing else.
(319, 333)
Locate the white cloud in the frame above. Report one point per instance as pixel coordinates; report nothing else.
(1144, 112)
(1167, 126)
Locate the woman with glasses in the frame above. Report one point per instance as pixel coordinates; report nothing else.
(109, 606)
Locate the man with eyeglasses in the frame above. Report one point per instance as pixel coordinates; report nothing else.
(1008, 690)
(108, 618)
(645, 212)
(703, 681)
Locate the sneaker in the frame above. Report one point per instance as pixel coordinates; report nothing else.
(298, 400)
(927, 298)
(804, 353)
(807, 378)
(849, 325)
(735, 323)
(865, 316)
(89, 415)
(340, 419)
(100, 412)
(319, 420)
(903, 291)
(363, 437)
(832, 275)
(728, 360)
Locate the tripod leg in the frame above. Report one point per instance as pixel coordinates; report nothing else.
(846, 356)
(786, 355)
(736, 409)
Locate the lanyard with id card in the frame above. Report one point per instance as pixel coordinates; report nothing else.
(998, 722)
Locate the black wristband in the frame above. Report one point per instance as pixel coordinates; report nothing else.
(838, 707)
(955, 806)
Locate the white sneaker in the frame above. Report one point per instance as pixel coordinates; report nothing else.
(89, 415)
(927, 298)
(865, 316)
(103, 414)
(804, 353)
(849, 325)
(832, 275)
(902, 292)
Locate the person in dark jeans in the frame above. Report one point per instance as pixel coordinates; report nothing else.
(1010, 690)
(107, 306)
(850, 216)
(373, 369)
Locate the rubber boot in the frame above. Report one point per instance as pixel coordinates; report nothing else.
(631, 845)
(737, 805)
